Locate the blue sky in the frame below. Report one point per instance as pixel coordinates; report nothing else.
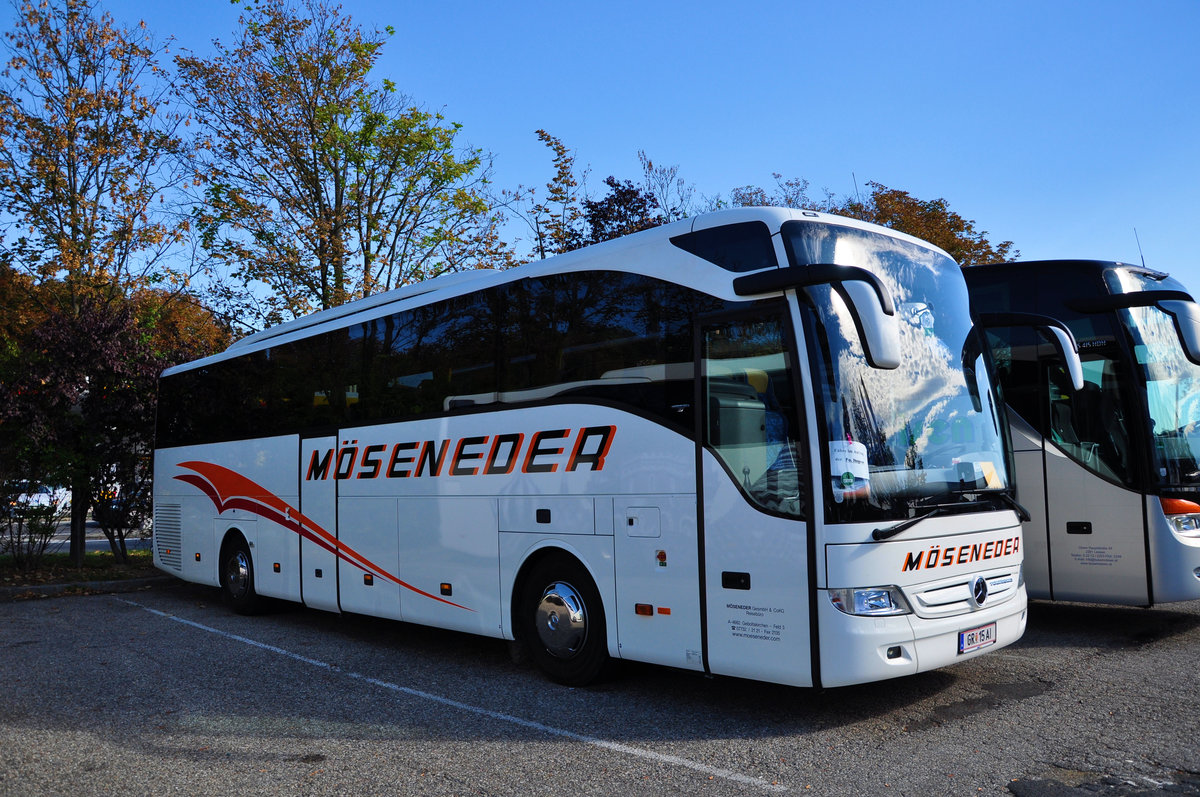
(1061, 126)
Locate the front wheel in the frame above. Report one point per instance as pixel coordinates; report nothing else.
(562, 622)
(237, 576)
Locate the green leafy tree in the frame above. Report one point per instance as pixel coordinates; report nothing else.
(326, 186)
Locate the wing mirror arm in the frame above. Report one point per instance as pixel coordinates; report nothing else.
(1064, 342)
(869, 299)
(1186, 315)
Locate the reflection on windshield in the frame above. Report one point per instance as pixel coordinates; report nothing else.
(1172, 396)
(916, 435)
(1172, 382)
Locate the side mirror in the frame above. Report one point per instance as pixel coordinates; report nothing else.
(1177, 304)
(878, 327)
(1064, 342)
(1186, 316)
(869, 299)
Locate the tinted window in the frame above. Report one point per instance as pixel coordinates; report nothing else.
(597, 336)
(734, 247)
(1088, 425)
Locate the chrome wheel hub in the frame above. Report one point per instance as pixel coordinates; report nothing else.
(237, 574)
(561, 620)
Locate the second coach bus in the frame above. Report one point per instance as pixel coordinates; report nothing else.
(1109, 472)
(760, 443)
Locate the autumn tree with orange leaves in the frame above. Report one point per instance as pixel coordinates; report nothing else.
(94, 161)
(92, 155)
(931, 220)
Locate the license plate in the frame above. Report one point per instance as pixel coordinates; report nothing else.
(976, 638)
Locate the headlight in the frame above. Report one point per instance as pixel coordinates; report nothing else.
(870, 601)
(1185, 525)
(1183, 515)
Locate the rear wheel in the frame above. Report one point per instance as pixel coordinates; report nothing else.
(562, 621)
(237, 576)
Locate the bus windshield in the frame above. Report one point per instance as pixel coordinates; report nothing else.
(1171, 381)
(923, 434)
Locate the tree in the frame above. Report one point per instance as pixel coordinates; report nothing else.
(625, 209)
(555, 222)
(91, 155)
(78, 401)
(790, 193)
(675, 198)
(325, 187)
(93, 165)
(83, 390)
(930, 220)
(568, 218)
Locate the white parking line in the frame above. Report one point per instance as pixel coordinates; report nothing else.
(638, 752)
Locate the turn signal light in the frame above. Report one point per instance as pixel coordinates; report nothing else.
(643, 609)
(1179, 506)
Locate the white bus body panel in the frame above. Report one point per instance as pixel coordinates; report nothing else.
(934, 565)
(1107, 565)
(370, 528)
(318, 501)
(654, 539)
(760, 627)
(1176, 559)
(451, 542)
(229, 486)
(1031, 492)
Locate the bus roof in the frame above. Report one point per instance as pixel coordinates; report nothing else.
(607, 255)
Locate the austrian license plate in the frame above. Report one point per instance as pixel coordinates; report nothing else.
(976, 638)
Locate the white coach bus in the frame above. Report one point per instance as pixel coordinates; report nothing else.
(1109, 472)
(759, 443)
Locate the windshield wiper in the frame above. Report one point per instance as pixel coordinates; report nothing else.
(1007, 499)
(904, 525)
(950, 509)
(888, 533)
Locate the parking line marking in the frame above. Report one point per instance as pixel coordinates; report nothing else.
(616, 747)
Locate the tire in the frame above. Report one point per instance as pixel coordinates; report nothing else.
(237, 576)
(562, 622)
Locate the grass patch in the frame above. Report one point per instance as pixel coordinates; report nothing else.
(97, 566)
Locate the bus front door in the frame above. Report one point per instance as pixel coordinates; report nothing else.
(755, 535)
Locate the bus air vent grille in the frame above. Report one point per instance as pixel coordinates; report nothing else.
(168, 535)
(953, 596)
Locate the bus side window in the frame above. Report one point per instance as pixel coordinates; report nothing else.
(747, 427)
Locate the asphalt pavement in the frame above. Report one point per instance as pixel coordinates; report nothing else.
(165, 691)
